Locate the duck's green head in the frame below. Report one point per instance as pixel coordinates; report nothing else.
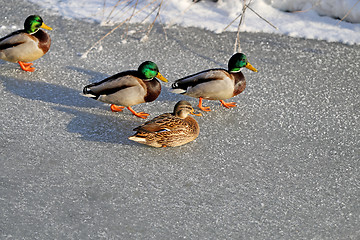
(33, 23)
(238, 61)
(150, 70)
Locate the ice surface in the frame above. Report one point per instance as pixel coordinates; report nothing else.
(284, 164)
(312, 19)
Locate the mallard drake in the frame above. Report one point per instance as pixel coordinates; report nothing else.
(169, 129)
(26, 45)
(128, 88)
(216, 84)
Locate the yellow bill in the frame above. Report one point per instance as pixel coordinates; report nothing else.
(44, 26)
(249, 66)
(195, 114)
(159, 76)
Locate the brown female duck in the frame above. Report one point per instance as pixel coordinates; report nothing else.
(169, 129)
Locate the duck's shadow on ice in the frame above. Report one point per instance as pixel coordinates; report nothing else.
(99, 128)
(91, 126)
(47, 92)
(198, 53)
(53, 93)
(94, 76)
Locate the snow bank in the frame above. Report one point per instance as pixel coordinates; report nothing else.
(313, 19)
(332, 8)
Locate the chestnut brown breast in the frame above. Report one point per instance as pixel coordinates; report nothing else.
(44, 40)
(240, 83)
(153, 88)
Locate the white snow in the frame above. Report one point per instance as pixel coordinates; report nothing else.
(312, 19)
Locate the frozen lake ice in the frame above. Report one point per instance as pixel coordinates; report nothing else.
(284, 164)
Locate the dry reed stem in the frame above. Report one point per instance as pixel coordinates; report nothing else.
(127, 26)
(112, 30)
(103, 9)
(121, 11)
(267, 21)
(347, 13)
(163, 27)
(113, 9)
(232, 22)
(242, 14)
(93, 46)
(153, 23)
(262, 18)
(237, 41)
(149, 14)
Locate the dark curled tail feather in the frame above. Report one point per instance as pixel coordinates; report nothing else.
(174, 85)
(87, 91)
(179, 85)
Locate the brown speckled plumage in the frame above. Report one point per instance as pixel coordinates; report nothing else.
(169, 129)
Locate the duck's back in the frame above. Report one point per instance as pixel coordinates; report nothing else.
(167, 130)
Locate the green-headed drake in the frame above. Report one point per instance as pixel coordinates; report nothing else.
(216, 84)
(169, 129)
(26, 45)
(128, 88)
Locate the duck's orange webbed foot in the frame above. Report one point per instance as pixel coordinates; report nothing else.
(142, 115)
(115, 108)
(228, 105)
(206, 109)
(26, 66)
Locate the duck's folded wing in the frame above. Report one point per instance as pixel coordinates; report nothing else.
(164, 122)
(201, 77)
(150, 127)
(13, 39)
(111, 85)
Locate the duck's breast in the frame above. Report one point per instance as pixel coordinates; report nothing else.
(240, 83)
(44, 40)
(153, 89)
